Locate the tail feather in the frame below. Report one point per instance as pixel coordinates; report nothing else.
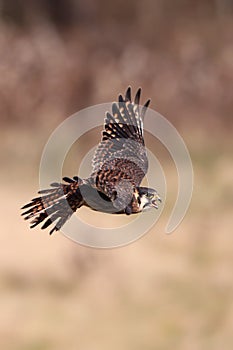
(56, 204)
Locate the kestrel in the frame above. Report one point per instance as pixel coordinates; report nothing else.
(119, 164)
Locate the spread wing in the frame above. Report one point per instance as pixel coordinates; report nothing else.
(121, 154)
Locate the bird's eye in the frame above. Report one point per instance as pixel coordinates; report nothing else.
(150, 195)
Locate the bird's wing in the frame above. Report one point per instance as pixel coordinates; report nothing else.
(121, 154)
(57, 203)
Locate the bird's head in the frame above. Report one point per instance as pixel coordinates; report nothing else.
(148, 198)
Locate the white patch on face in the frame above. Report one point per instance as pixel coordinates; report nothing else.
(144, 201)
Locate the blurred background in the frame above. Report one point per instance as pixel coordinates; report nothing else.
(160, 292)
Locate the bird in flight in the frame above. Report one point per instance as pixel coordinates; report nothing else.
(119, 164)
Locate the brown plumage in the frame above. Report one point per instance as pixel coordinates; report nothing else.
(119, 165)
(58, 202)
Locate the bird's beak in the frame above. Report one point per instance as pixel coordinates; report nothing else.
(155, 201)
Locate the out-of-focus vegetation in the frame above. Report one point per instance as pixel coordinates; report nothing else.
(162, 291)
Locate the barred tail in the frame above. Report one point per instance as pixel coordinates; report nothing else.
(57, 203)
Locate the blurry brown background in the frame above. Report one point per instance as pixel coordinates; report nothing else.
(161, 292)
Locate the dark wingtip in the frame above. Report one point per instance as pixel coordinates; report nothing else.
(34, 224)
(27, 205)
(53, 229)
(67, 179)
(144, 108)
(128, 94)
(46, 224)
(147, 103)
(29, 211)
(120, 99)
(137, 96)
(76, 178)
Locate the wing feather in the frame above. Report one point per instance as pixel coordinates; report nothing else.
(121, 154)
